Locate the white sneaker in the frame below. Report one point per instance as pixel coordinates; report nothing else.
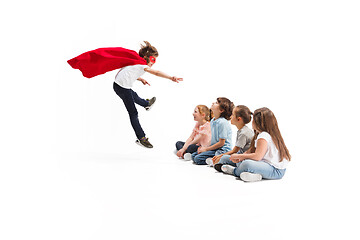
(228, 169)
(187, 157)
(250, 177)
(209, 162)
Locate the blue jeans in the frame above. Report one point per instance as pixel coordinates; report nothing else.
(266, 170)
(200, 159)
(129, 98)
(225, 159)
(190, 149)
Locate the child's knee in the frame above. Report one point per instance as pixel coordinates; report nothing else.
(225, 159)
(179, 145)
(196, 159)
(199, 159)
(245, 166)
(133, 115)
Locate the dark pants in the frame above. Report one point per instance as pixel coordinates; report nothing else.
(129, 98)
(191, 148)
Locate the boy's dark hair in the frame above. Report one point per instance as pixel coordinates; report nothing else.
(243, 112)
(226, 106)
(146, 51)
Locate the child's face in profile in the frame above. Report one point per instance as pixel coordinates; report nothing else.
(197, 115)
(233, 119)
(152, 61)
(215, 107)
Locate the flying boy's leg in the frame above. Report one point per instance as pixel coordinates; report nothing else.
(138, 100)
(200, 159)
(127, 97)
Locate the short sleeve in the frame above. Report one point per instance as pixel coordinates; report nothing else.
(205, 129)
(263, 135)
(142, 68)
(195, 129)
(241, 141)
(224, 128)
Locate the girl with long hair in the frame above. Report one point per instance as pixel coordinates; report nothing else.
(268, 155)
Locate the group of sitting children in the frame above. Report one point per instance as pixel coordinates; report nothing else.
(258, 154)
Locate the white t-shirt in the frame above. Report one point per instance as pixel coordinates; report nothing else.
(129, 74)
(272, 154)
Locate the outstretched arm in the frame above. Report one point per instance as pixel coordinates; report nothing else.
(163, 75)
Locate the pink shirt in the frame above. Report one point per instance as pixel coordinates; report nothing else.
(205, 131)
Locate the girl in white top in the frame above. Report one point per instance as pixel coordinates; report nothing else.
(124, 81)
(268, 155)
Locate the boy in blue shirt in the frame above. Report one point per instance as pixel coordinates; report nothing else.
(220, 132)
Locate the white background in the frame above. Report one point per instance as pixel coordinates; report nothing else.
(69, 165)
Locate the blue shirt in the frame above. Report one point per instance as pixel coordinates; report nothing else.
(220, 128)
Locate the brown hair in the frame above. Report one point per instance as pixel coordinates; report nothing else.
(243, 112)
(147, 50)
(205, 110)
(265, 121)
(226, 106)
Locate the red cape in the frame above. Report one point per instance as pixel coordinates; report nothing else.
(102, 60)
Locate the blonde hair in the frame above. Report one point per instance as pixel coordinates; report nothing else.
(205, 110)
(147, 50)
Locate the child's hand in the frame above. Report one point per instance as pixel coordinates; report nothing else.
(235, 158)
(201, 149)
(144, 81)
(176, 79)
(216, 159)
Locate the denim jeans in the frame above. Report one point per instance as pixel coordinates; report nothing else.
(129, 98)
(190, 149)
(266, 170)
(200, 159)
(225, 159)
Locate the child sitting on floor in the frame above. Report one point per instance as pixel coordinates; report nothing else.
(268, 155)
(240, 117)
(220, 132)
(200, 136)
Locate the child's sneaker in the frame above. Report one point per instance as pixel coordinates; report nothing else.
(144, 142)
(209, 162)
(228, 169)
(250, 177)
(187, 157)
(218, 167)
(151, 103)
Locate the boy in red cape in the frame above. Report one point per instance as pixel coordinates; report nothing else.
(133, 66)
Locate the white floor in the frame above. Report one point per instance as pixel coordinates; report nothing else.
(70, 168)
(139, 193)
